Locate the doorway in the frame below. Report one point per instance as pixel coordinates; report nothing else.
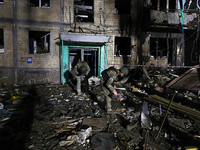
(95, 56)
(88, 55)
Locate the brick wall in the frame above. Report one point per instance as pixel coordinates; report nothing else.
(6, 9)
(6, 57)
(29, 77)
(51, 14)
(48, 60)
(51, 62)
(68, 11)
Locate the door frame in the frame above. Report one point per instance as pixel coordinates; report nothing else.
(102, 59)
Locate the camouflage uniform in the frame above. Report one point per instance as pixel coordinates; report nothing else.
(76, 74)
(108, 87)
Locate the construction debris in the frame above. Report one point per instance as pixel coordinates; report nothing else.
(148, 116)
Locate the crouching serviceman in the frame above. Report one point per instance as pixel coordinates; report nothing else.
(108, 82)
(80, 70)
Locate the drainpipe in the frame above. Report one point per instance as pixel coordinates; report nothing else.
(106, 65)
(15, 49)
(104, 14)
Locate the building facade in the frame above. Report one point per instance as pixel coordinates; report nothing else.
(42, 40)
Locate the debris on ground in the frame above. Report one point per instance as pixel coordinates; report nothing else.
(48, 116)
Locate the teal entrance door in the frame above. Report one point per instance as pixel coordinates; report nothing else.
(98, 53)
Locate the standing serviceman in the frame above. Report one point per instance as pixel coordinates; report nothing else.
(80, 70)
(109, 76)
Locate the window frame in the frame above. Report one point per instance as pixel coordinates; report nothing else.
(121, 53)
(43, 49)
(4, 50)
(84, 15)
(161, 47)
(40, 4)
(166, 5)
(123, 7)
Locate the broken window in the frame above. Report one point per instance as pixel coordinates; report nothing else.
(39, 42)
(122, 46)
(192, 4)
(163, 47)
(123, 7)
(40, 3)
(83, 10)
(1, 41)
(163, 5)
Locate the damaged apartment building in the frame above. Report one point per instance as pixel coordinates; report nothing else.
(42, 40)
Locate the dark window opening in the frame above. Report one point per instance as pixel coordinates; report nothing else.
(172, 5)
(1, 41)
(83, 10)
(39, 42)
(40, 3)
(122, 46)
(163, 4)
(1, 1)
(155, 5)
(123, 7)
(192, 5)
(163, 47)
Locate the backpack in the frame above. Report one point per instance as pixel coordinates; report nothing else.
(105, 75)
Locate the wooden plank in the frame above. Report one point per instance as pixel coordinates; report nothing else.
(175, 106)
(95, 122)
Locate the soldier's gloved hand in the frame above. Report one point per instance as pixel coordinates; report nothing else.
(115, 93)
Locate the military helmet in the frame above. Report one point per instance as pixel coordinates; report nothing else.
(82, 69)
(124, 70)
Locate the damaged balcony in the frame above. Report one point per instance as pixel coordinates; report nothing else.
(173, 14)
(83, 10)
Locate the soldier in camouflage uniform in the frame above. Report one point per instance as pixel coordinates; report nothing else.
(81, 69)
(109, 76)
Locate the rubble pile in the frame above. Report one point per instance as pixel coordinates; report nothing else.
(49, 116)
